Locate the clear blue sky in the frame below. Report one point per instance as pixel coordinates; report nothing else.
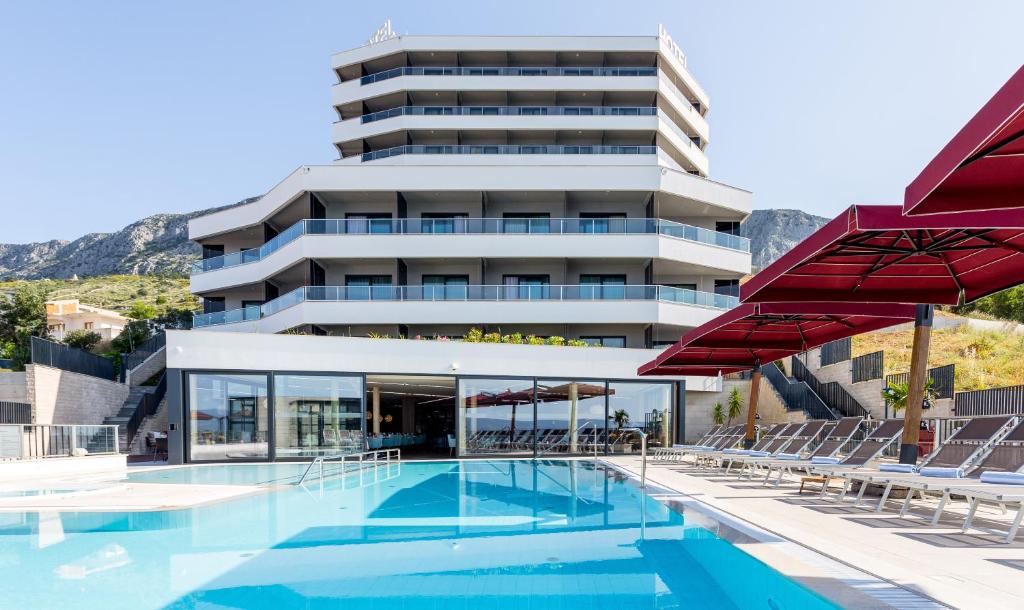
(111, 111)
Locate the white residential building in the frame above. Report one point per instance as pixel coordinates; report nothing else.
(546, 186)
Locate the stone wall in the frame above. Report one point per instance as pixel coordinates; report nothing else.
(151, 366)
(700, 405)
(13, 388)
(867, 393)
(63, 397)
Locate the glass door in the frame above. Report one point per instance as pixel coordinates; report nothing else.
(368, 287)
(527, 223)
(527, 287)
(443, 223)
(602, 286)
(602, 223)
(445, 287)
(227, 417)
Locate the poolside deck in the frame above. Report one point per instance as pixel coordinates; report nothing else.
(962, 570)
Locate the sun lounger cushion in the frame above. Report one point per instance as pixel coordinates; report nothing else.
(758, 454)
(1003, 478)
(737, 451)
(897, 468)
(825, 460)
(942, 472)
(787, 456)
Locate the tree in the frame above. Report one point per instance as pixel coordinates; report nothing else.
(23, 316)
(896, 394)
(718, 414)
(141, 311)
(735, 404)
(621, 418)
(82, 339)
(134, 333)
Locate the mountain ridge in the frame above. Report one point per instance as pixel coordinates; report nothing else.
(159, 244)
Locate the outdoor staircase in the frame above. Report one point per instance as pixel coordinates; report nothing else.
(796, 394)
(832, 393)
(125, 413)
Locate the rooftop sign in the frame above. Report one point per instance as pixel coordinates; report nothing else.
(671, 44)
(383, 33)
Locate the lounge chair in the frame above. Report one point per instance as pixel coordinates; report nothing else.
(728, 440)
(959, 453)
(664, 452)
(1005, 489)
(711, 445)
(770, 436)
(791, 449)
(774, 444)
(835, 439)
(869, 449)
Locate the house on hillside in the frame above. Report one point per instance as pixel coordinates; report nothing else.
(66, 315)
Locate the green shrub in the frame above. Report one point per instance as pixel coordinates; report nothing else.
(82, 339)
(556, 340)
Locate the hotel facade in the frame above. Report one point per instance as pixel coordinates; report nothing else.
(541, 190)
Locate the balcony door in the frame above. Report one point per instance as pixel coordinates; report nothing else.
(602, 286)
(600, 222)
(443, 223)
(368, 287)
(527, 223)
(445, 287)
(526, 287)
(368, 223)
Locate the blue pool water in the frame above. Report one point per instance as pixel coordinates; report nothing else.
(444, 535)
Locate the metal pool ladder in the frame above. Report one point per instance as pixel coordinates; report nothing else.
(643, 455)
(389, 455)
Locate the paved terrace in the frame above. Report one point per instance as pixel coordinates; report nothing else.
(963, 570)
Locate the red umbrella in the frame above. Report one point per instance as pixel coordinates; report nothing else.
(745, 337)
(875, 254)
(982, 167)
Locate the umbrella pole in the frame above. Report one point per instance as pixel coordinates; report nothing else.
(918, 371)
(755, 389)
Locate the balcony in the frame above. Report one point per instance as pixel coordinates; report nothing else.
(509, 111)
(506, 71)
(506, 149)
(446, 299)
(477, 226)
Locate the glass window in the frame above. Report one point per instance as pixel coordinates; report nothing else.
(443, 223)
(570, 416)
(368, 223)
(365, 287)
(603, 286)
(527, 223)
(647, 406)
(495, 416)
(227, 416)
(526, 287)
(445, 287)
(727, 287)
(602, 223)
(605, 341)
(317, 415)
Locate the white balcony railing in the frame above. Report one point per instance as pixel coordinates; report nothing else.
(479, 293)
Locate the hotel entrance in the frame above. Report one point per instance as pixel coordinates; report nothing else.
(415, 413)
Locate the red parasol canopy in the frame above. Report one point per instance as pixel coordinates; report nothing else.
(750, 334)
(875, 254)
(982, 167)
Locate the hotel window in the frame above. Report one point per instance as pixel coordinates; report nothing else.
(647, 406)
(731, 227)
(88, 325)
(213, 304)
(317, 414)
(605, 341)
(602, 222)
(445, 287)
(526, 287)
(443, 223)
(227, 416)
(602, 286)
(527, 223)
(368, 287)
(571, 416)
(727, 287)
(495, 416)
(368, 223)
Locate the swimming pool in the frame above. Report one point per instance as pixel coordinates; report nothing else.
(446, 535)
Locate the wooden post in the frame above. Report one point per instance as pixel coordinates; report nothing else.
(918, 373)
(755, 389)
(375, 393)
(574, 397)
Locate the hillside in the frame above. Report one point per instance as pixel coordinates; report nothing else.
(983, 358)
(119, 292)
(159, 244)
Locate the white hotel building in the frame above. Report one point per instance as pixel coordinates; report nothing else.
(545, 186)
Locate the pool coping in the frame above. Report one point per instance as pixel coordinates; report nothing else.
(834, 579)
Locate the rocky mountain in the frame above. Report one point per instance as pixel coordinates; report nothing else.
(159, 244)
(772, 233)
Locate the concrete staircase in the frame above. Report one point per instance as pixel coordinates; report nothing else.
(154, 423)
(120, 419)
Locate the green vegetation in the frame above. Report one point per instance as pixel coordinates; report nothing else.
(22, 316)
(718, 414)
(735, 404)
(983, 359)
(82, 339)
(476, 335)
(166, 295)
(896, 394)
(1004, 305)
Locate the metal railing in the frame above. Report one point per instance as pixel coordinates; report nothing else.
(31, 441)
(796, 395)
(494, 292)
(868, 366)
(943, 380)
(566, 440)
(507, 149)
(506, 71)
(508, 111)
(836, 351)
(15, 412)
(141, 353)
(71, 359)
(832, 393)
(475, 226)
(147, 405)
(358, 458)
(643, 454)
(993, 401)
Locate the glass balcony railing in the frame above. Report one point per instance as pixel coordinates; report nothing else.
(475, 226)
(506, 71)
(506, 149)
(509, 111)
(494, 292)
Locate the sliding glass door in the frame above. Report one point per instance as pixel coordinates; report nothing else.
(227, 416)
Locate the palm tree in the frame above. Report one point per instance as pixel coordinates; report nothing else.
(621, 418)
(718, 414)
(735, 404)
(896, 394)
